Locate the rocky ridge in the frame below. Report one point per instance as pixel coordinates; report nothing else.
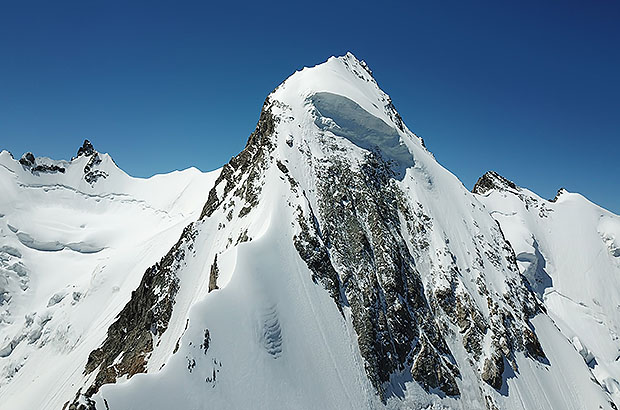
(365, 242)
(421, 280)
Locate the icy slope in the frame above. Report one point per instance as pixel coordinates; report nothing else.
(75, 239)
(337, 265)
(568, 249)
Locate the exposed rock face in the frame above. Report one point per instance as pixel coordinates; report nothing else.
(492, 180)
(557, 195)
(91, 174)
(354, 245)
(313, 251)
(86, 149)
(131, 337)
(493, 370)
(213, 275)
(29, 162)
(391, 314)
(27, 159)
(243, 171)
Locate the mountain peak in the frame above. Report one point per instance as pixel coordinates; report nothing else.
(350, 59)
(558, 194)
(333, 231)
(27, 159)
(86, 149)
(38, 166)
(338, 105)
(344, 75)
(492, 180)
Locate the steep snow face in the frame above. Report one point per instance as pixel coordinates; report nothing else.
(568, 250)
(345, 118)
(75, 239)
(337, 265)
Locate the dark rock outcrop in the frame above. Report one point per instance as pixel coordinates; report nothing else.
(130, 338)
(493, 370)
(28, 161)
(378, 279)
(91, 173)
(492, 180)
(557, 195)
(242, 172)
(316, 255)
(213, 275)
(86, 149)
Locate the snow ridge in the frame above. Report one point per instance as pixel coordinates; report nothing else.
(333, 263)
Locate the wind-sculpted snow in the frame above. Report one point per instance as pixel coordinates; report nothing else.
(54, 246)
(609, 229)
(345, 118)
(271, 332)
(535, 273)
(71, 253)
(566, 249)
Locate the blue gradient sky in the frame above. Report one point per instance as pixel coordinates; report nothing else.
(529, 89)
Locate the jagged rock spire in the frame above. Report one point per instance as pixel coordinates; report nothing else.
(27, 159)
(492, 180)
(86, 149)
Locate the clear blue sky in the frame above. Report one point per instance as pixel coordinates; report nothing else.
(529, 89)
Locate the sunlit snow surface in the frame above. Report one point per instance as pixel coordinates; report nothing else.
(276, 338)
(71, 253)
(345, 118)
(572, 245)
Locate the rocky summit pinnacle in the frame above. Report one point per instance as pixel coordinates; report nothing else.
(86, 149)
(492, 180)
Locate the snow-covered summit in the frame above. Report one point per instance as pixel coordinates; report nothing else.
(335, 243)
(334, 264)
(344, 76)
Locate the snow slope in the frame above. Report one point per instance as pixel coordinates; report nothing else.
(335, 265)
(71, 252)
(273, 303)
(568, 248)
